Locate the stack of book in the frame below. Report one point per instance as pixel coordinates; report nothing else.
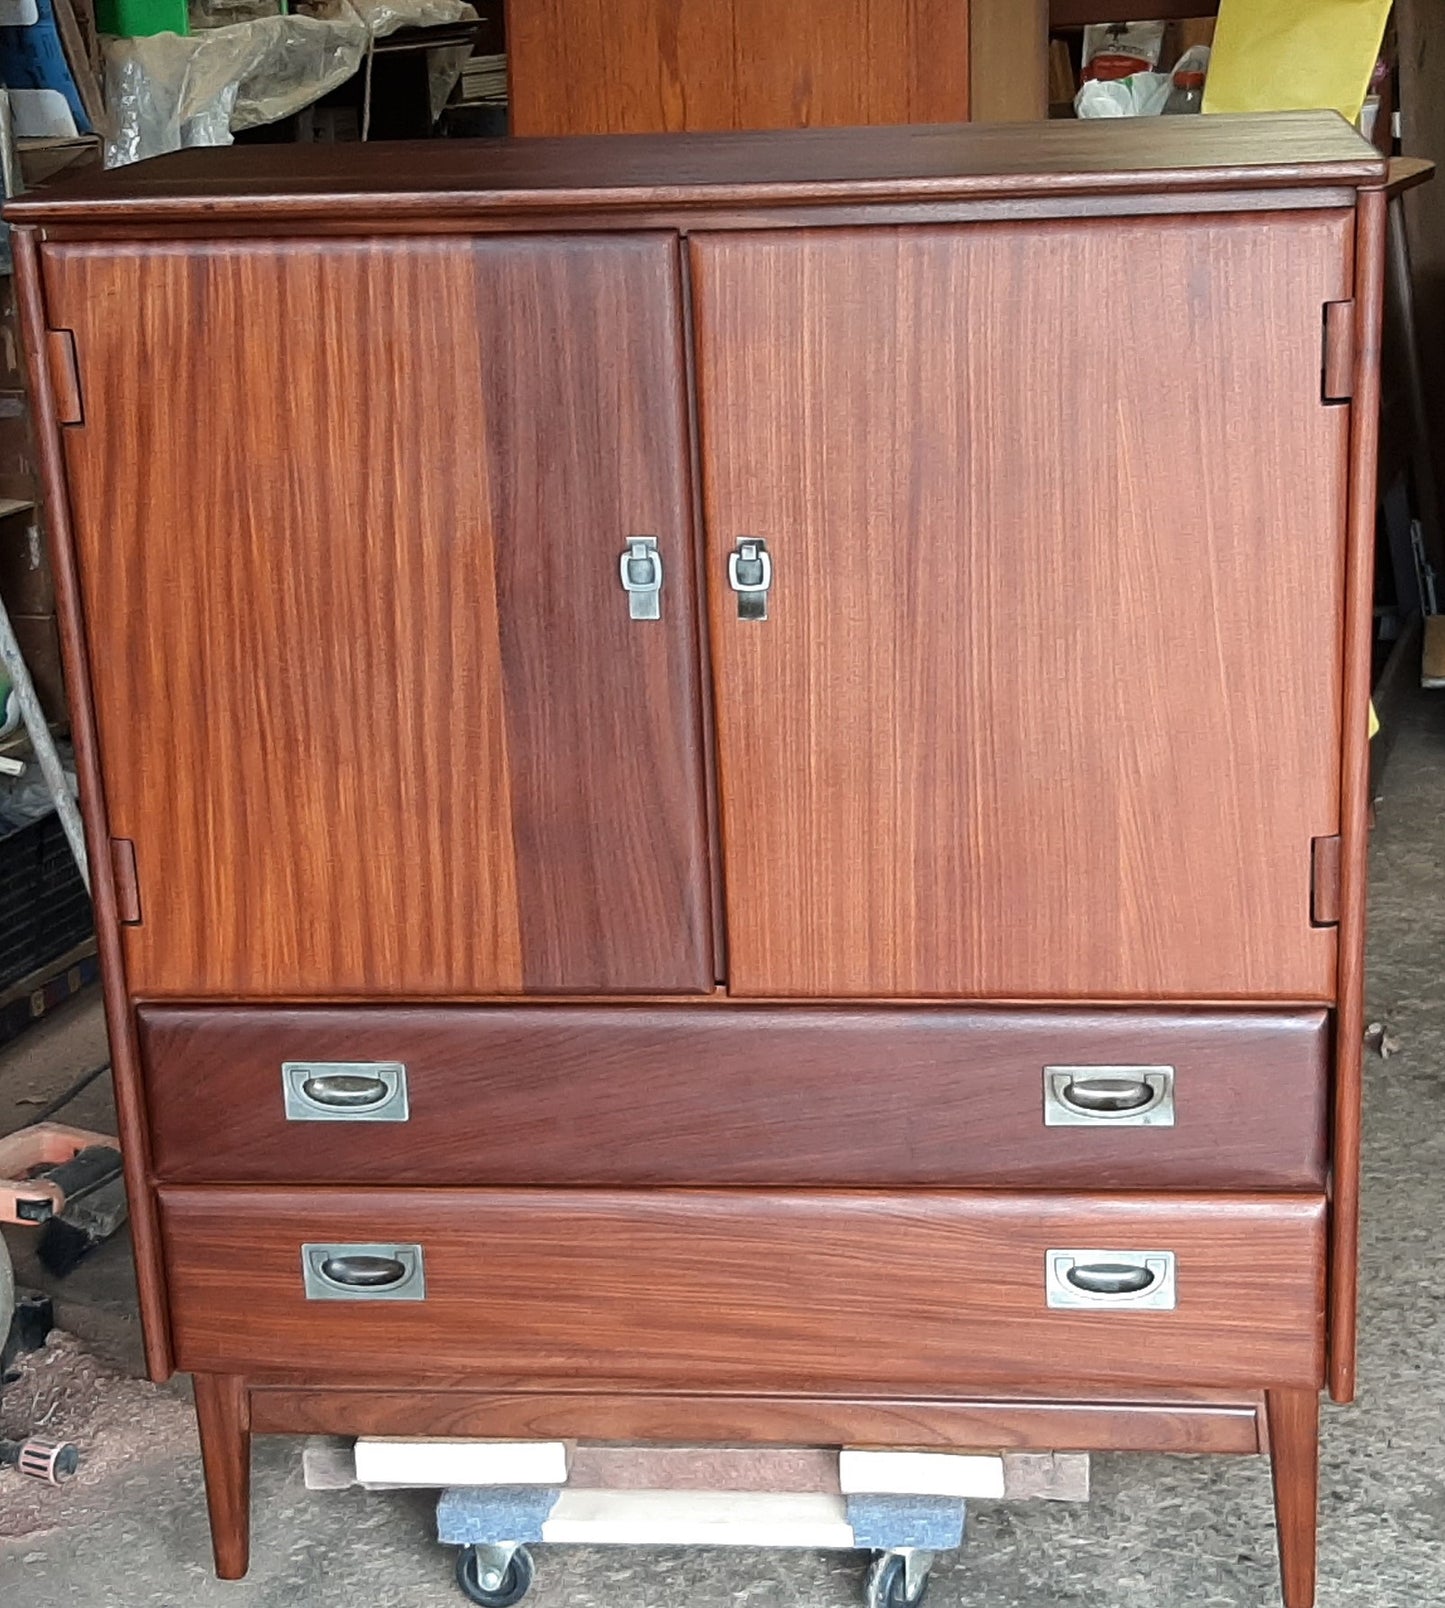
(484, 81)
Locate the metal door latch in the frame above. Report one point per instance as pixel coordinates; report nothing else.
(750, 574)
(641, 567)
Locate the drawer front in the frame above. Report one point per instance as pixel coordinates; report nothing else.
(633, 1095)
(922, 1291)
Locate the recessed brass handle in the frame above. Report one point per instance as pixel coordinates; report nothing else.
(365, 1272)
(1113, 1096)
(1107, 1094)
(1110, 1280)
(344, 1091)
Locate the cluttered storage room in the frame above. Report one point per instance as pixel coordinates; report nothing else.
(722, 804)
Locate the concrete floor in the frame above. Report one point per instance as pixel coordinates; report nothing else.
(1159, 1532)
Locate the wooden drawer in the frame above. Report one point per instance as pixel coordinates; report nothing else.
(737, 1095)
(926, 1290)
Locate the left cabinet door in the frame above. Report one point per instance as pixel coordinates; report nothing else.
(372, 704)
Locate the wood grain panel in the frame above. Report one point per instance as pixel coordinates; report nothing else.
(586, 423)
(284, 558)
(1110, 1425)
(1047, 703)
(639, 66)
(664, 66)
(1009, 60)
(288, 543)
(782, 1096)
(765, 1292)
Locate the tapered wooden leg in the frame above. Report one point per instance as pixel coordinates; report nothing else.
(1294, 1452)
(224, 1417)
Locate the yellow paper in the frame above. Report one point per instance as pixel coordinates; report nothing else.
(1287, 55)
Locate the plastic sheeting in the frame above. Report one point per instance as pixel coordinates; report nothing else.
(165, 92)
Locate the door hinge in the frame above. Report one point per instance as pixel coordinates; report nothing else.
(64, 376)
(1338, 375)
(127, 889)
(1325, 881)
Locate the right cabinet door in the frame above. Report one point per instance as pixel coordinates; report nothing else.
(1046, 701)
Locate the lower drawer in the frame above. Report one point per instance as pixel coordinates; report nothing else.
(925, 1291)
(719, 1095)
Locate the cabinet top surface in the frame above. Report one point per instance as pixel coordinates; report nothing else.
(926, 163)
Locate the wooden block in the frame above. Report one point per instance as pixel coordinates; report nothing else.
(423, 1461)
(25, 579)
(40, 644)
(1062, 87)
(17, 463)
(1432, 659)
(699, 1518)
(920, 1473)
(328, 1463)
(705, 1468)
(1046, 1476)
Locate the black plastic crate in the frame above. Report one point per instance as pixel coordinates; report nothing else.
(44, 908)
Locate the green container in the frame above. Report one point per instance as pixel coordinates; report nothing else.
(135, 19)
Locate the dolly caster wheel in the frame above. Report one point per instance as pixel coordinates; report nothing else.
(495, 1576)
(897, 1579)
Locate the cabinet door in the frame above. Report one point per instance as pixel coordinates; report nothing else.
(1047, 699)
(372, 706)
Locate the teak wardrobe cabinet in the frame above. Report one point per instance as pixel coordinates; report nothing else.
(737, 766)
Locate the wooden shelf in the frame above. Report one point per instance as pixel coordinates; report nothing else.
(1079, 13)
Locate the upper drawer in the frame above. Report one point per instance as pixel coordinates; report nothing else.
(737, 1095)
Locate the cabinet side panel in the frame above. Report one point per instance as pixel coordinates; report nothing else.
(125, 1055)
(1354, 803)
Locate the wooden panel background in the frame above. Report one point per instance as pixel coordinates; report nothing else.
(787, 1291)
(663, 66)
(295, 542)
(1009, 60)
(1048, 701)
